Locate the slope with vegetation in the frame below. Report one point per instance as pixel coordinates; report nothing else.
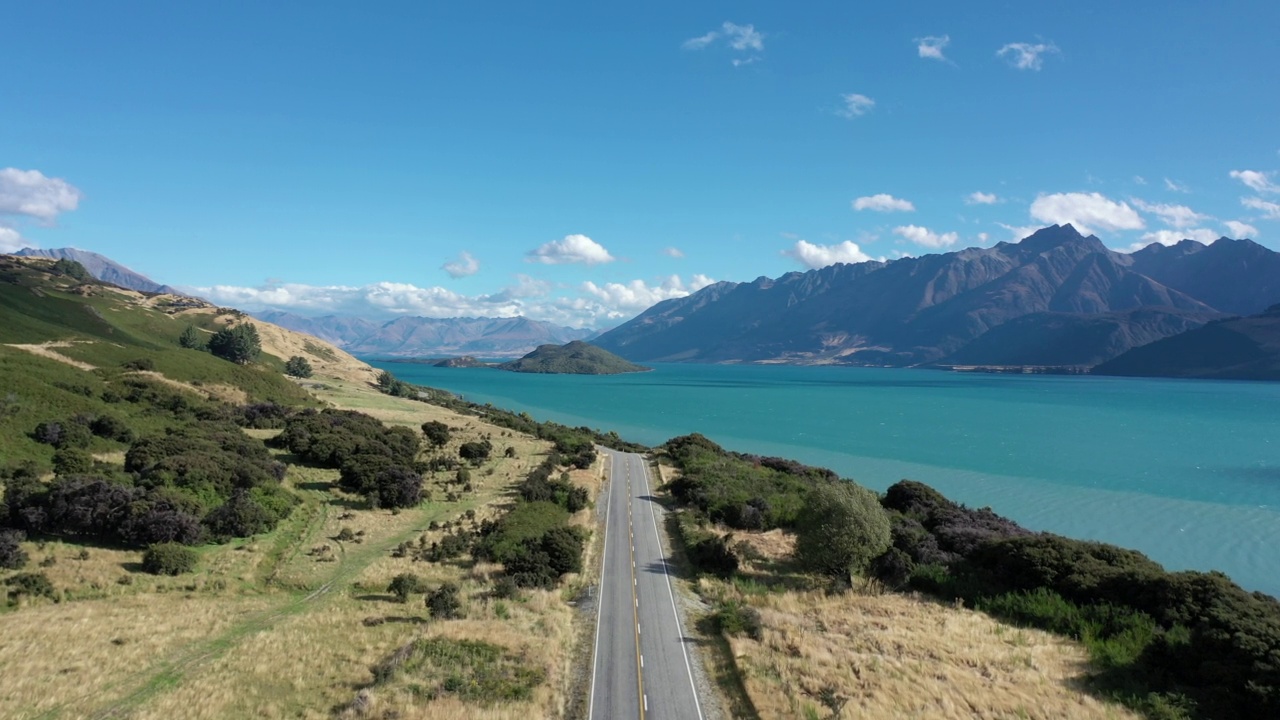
(1168, 644)
(1246, 348)
(171, 504)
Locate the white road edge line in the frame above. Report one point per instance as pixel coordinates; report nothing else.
(604, 552)
(666, 573)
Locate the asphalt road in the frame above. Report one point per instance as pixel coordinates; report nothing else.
(641, 667)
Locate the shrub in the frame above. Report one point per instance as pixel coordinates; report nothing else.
(72, 461)
(404, 585)
(112, 428)
(475, 452)
(436, 432)
(445, 602)
(841, 528)
(62, 434)
(30, 585)
(12, 556)
(240, 344)
(169, 559)
(190, 338)
(713, 555)
(239, 516)
(143, 364)
(297, 366)
(735, 617)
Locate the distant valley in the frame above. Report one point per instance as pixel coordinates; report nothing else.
(426, 337)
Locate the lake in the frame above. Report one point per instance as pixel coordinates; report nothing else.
(1188, 472)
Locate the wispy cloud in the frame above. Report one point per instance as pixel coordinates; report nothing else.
(855, 105)
(1241, 229)
(1139, 180)
(1173, 237)
(1178, 216)
(1270, 210)
(931, 47)
(1256, 181)
(819, 256)
(464, 266)
(1027, 56)
(925, 237)
(674, 252)
(1086, 211)
(981, 198)
(572, 249)
(1175, 186)
(883, 202)
(739, 38)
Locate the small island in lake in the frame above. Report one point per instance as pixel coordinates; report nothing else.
(575, 358)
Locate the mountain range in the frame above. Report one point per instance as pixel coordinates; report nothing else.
(422, 336)
(101, 267)
(1057, 298)
(1243, 348)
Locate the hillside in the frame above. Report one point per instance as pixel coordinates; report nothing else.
(101, 267)
(575, 358)
(937, 309)
(430, 337)
(1246, 348)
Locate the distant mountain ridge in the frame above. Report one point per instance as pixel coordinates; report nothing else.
(424, 337)
(1243, 348)
(574, 358)
(101, 267)
(1010, 304)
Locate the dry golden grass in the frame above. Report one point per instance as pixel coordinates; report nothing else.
(890, 655)
(45, 350)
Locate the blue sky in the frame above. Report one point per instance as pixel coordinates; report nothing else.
(577, 162)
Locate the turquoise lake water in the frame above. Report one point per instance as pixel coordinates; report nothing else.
(1186, 471)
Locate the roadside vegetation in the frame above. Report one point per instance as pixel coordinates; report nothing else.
(1164, 644)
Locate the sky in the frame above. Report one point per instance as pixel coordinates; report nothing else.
(577, 162)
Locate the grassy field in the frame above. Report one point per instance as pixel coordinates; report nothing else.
(292, 623)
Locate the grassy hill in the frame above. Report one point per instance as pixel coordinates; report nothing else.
(577, 358)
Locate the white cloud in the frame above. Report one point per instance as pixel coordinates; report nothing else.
(701, 41)
(462, 267)
(572, 249)
(925, 237)
(855, 105)
(1270, 210)
(1019, 232)
(1026, 56)
(983, 238)
(819, 256)
(1086, 211)
(931, 47)
(883, 202)
(674, 252)
(1241, 230)
(1256, 181)
(29, 193)
(981, 198)
(1175, 186)
(585, 305)
(10, 240)
(637, 295)
(1173, 237)
(740, 38)
(1178, 216)
(1139, 180)
(743, 37)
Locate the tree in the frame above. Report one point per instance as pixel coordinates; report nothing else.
(298, 367)
(476, 452)
(71, 269)
(12, 556)
(239, 344)
(444, 602)
(190, 338)
(404, 585)
(840, 529)
(436, 432)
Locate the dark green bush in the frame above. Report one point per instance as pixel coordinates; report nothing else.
(30, 585)
(169, 559)
(72, 461)
(404, 585)
(735, 617)
(445, 602)
(12, 556)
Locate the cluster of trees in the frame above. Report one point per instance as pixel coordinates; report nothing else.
(745, 492)
(375, 460)
(240, 344)
(533, 540)
(206, 481)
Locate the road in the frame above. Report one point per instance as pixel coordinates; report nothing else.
(641, 667)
